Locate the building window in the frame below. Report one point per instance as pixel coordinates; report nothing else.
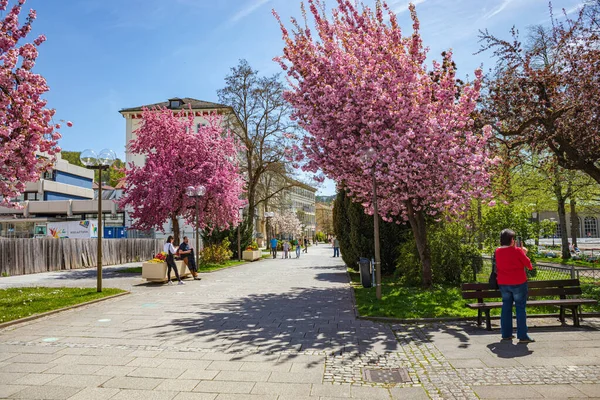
(590, 227)
(32, 196)
(49, 176)
(175, 103)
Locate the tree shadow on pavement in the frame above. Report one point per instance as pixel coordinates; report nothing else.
(314, 320)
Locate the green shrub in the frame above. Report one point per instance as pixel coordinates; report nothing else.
(453, 260)
(354, 230)
(216, 253)
(321, 237)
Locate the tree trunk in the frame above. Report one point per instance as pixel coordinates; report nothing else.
(417, 223)
(562, 215)
(564, 235)
(175, 224)
(479, 230)
(574, 222)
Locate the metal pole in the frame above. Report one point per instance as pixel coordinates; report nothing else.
(376, 235)
(99, 274)
(239, 244)
(197, 236)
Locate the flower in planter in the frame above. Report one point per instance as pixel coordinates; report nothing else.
(252, 247)
(159, 258)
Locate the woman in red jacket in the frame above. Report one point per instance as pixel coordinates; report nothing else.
(511, 262)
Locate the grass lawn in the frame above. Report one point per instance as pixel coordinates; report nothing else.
(577, 263)
(18, 303)
(132, 270)
(216, 267)
(442, 301)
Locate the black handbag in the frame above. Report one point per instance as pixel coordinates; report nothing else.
(493, 281)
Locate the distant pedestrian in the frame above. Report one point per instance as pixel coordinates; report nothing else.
(336, 247)
(170, 250)
(286, 248)
(297, 249)
(274, 247)
(306, 245)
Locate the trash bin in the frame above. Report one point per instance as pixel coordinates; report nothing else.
(365, 272)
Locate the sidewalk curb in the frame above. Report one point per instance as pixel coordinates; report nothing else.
(391, 320)
(47, 313)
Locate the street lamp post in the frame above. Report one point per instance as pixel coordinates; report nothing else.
(371, 155)
(100, 162)
(196, 193)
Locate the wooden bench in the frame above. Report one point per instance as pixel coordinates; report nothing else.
(555, 288)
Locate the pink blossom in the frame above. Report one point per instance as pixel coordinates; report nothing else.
(492, 203)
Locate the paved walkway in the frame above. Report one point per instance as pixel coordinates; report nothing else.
(274, 329)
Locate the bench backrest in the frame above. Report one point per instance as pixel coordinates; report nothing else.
(561, 288)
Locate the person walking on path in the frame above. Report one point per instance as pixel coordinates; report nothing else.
(511, 262)
(170, 250)
(306, 245)
(286, 248)
(298, 248)
(274, 247)
(336, 247)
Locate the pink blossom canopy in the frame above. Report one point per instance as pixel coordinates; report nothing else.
(363, 86)
(177, 158)
(26, 128)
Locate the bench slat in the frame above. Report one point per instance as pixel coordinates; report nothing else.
(531, 284)
(493, 294)
(560, 302)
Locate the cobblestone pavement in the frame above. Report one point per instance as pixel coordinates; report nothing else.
(274, 329)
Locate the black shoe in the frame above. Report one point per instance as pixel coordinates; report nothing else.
(509, 338)
(526, 340)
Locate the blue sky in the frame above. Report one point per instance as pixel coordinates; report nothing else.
(104, 55)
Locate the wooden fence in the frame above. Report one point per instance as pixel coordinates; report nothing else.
(30, 256)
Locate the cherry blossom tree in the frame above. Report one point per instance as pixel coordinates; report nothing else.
(287, 222)
(374, 113)
(176, 159)
(28, 138)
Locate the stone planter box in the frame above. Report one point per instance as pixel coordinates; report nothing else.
(157, 272)
(251, 255)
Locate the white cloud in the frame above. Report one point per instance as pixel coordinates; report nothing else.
(399, 7)
(498, 9)
(575, 8)
(244, 12)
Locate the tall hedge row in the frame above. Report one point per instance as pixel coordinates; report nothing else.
(354, 230)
